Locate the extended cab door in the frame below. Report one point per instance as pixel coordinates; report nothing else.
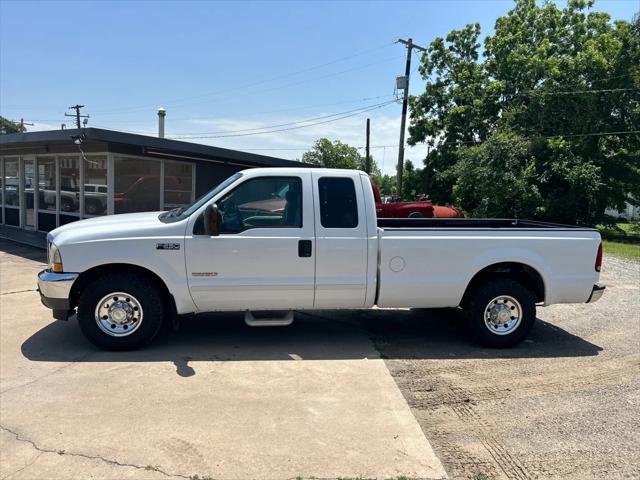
(341, 240)
(264, 257)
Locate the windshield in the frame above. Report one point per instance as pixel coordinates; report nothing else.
(184, 212)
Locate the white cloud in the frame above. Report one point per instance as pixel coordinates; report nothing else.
(289, 144)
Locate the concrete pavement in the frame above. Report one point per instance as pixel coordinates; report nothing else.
(216, 399)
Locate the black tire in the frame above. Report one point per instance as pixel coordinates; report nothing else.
(138, 286)
(479, 301)
(416, 215)
(93, 207)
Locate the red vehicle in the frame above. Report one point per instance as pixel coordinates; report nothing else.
(415, 209)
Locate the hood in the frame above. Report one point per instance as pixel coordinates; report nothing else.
(110, 226)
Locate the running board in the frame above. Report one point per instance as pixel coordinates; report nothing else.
(252, 321)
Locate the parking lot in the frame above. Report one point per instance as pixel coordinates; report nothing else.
(367, 394)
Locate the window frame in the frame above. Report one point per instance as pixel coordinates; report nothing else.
(355, 196)
(254, 179)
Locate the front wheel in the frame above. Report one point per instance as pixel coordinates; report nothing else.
(501, 313)
(120, 311)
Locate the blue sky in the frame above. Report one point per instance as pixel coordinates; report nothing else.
(227, 66)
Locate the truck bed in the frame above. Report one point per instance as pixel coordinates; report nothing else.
(472, 223)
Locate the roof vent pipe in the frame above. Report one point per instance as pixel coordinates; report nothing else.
(161, 114)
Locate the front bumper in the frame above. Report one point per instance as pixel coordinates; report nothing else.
(55, 289)
(596, 292)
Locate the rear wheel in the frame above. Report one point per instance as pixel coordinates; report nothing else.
(416, 215)
(501, 313)
(120, 311)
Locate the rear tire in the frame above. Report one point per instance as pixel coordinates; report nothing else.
(501, 313)
(416, 215)
(120, 311)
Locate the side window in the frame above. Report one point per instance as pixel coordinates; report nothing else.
(267, 202)
(338, 205)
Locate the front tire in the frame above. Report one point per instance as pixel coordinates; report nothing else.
(120, 311)
(501, 313)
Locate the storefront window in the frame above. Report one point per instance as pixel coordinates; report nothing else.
(47, 183)
(11, 192)
(69, 184)
(178, 183)
(11, 182)
(137, 185)
(95, 185)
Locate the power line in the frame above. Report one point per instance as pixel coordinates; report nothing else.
(290, 128)
(286, 124)
(260, 82)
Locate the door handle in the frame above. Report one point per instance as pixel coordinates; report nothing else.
(304, 248)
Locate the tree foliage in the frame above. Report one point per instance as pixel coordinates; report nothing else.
(519, 128)
(7, 126)
(336, 154)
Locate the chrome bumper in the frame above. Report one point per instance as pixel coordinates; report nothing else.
(596, 292)
(55, 289)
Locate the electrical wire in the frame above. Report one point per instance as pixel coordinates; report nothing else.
(290, 128)
(285, 124)
(260, 82)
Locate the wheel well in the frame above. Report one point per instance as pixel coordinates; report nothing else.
(526, 275)
(85, 278)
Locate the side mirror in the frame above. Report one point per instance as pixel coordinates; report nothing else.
(211, 226)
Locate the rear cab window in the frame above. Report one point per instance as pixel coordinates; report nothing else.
(338, 204)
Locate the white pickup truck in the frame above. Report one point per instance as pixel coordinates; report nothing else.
(286, 239)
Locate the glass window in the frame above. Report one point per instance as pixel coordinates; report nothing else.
(47, 183)
(178, 183)
(137, 185)
(69, 183)
(262, 202)
(338, 205)
(11, 182)
(95, 185)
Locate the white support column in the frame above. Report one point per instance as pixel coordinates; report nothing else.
(57, 174)
(81, 191)
(110, 182)
(162, 184)
(36, 192)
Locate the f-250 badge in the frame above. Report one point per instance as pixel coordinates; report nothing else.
(167, 246)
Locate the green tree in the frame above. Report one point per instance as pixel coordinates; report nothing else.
(551, 82)
(336, 154)
(7, 126)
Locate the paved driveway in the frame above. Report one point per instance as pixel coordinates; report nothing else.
(216, 399)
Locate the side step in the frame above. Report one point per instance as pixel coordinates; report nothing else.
(252, 321)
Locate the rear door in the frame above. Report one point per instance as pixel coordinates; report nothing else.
(341, 243)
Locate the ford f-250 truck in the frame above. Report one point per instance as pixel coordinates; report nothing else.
(127, 274)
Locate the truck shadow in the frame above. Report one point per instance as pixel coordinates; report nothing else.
(315, 335)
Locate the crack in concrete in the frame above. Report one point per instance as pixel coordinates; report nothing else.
(35, 380)
(23, 468)
(90, 457)
(19, 291)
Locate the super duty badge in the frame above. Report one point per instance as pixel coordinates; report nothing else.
(167, 246)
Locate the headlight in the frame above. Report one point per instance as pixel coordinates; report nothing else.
(55, 260)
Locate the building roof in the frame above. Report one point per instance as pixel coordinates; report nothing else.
(157, 145)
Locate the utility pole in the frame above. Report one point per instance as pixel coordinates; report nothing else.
(77, 114)
(407, 70)
(23, 123)
(367, 165)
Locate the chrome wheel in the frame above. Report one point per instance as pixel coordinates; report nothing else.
(503, 315)
(118, 314)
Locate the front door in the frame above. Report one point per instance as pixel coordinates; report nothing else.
(261, 259)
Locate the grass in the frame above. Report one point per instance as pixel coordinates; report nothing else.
(621, 241)
(621, 249)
